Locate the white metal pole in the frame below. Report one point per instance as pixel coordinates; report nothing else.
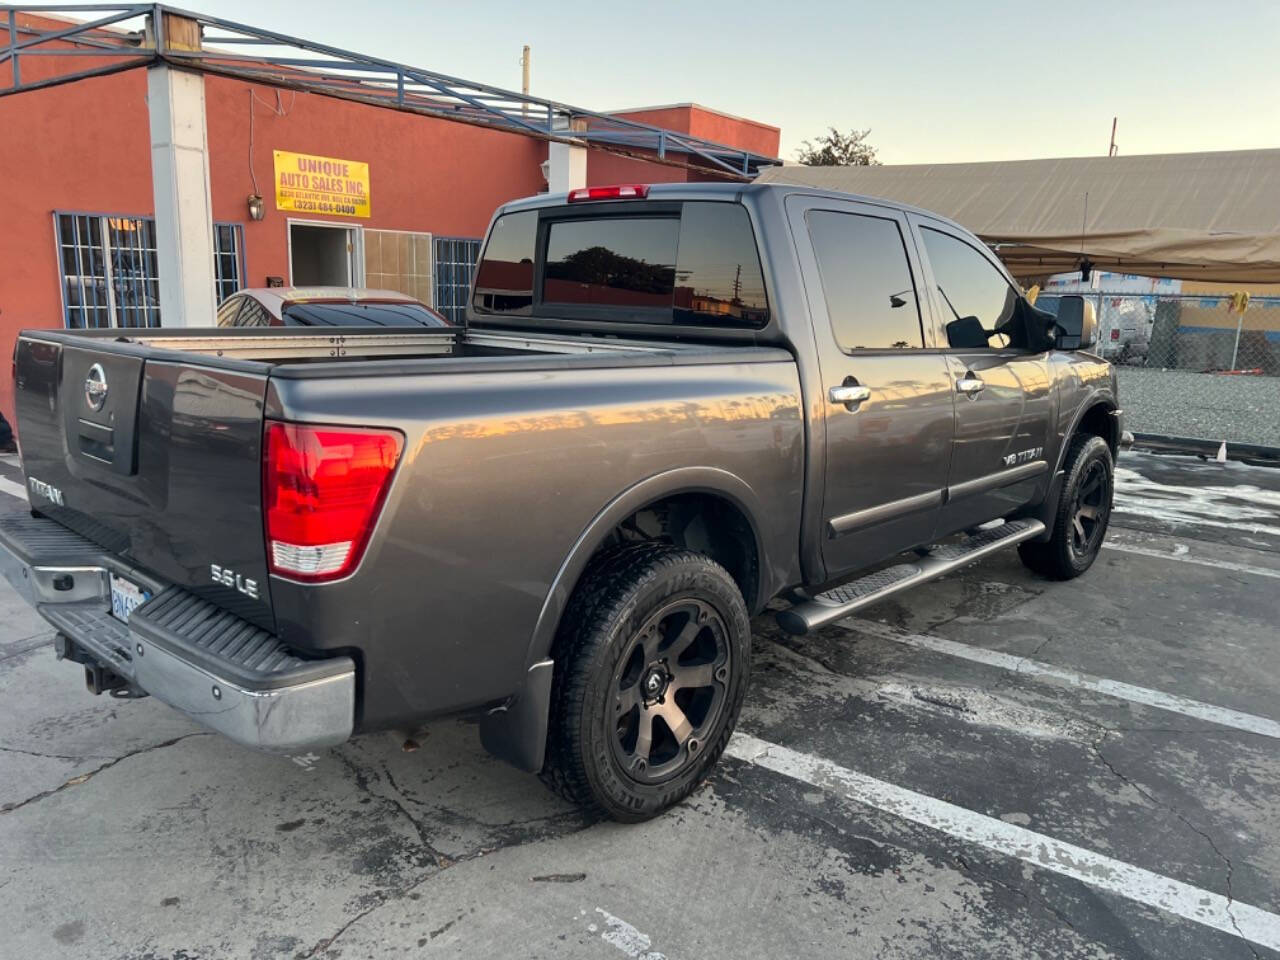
(180, 183)
(567, 163)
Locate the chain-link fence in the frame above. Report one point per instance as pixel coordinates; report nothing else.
(1199, 333)
(1191, 366)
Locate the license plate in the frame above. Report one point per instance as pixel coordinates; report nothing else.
(126, 596)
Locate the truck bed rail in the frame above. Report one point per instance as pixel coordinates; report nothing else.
(284, 346)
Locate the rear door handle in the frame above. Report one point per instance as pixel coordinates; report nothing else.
(969, 385)
(850, 394)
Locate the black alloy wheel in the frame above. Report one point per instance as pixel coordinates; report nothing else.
(652, 660)
(1090, 509)
(1082, 514)
(670, 689)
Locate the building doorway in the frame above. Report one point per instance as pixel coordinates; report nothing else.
(323, 255)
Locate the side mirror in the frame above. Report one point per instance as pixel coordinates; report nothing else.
(1089, 325)
(1077, 323)
(967, 333)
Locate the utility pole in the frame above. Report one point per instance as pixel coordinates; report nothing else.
(524, 79)
(1111, 151)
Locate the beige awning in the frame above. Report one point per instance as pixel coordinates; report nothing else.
(1194, 216)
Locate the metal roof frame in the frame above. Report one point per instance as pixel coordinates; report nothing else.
(134, 35)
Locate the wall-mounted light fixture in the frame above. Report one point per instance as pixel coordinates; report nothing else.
(256, 209)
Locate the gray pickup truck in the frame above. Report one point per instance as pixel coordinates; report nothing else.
(669, 406)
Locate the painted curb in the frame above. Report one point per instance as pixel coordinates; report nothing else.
(1252, 453)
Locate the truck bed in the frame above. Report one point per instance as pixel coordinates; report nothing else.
(167, 474)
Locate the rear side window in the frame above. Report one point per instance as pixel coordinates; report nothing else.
(978, 303)
(253, 314)
(866, 281)
(718, 277)
(693, 264)
(227, 312)
(504, 279)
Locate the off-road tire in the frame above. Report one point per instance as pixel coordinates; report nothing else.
(1066, 555)
(619, 594)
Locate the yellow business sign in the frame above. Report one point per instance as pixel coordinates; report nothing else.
(309, 184)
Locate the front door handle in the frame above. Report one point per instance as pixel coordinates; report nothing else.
(969, 385)
(850, 394)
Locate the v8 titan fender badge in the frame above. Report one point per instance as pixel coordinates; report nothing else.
(95, 387)
(47, 490)
(1022, 456)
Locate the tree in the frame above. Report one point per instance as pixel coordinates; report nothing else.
(836, 149)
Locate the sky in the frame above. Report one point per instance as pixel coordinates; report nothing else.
(935, 82)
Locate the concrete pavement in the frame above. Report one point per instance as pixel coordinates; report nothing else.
(1116, 727)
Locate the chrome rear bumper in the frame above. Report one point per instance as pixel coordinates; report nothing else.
(219, 670)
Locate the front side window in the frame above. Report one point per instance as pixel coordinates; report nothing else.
(866, 281)
(977, 302)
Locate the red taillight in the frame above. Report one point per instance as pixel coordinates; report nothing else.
(624, 191)
(322, 490)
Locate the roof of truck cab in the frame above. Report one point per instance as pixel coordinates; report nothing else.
(723, 191)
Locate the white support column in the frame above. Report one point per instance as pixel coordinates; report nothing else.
(566, 164)
(568, 167)
(184, 210)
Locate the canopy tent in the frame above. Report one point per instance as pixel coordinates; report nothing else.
(1193, 216)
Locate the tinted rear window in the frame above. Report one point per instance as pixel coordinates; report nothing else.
(361, 315)
(695, 264)
(613, 262)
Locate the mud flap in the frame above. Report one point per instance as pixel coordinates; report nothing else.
(1048, 508)
(517, 732)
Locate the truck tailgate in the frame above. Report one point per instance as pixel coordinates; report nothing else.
(154, 456)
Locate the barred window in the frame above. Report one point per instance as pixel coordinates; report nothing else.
(110, 273)
(228, 277)
(455, 264)
(83, 258)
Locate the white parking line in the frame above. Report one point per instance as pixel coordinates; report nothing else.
(7, 486)
(1189, 558)
(1222, 716)
(1098, 871)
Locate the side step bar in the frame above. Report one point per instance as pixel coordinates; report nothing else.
(850, 597)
